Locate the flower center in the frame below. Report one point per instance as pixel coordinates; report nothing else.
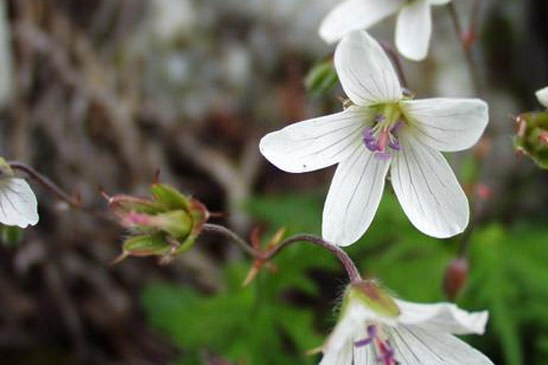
(383, 349)
(382, 137)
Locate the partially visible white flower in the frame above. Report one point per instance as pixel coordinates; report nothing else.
(18, 206)
(413, 27)
(383, 130)
(374, 328)
(542, 96)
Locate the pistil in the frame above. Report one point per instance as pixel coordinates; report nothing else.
(384, 133)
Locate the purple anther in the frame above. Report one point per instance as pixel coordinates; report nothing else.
(379, 118)
(394, 144)
(396, 128)
(371, 335)
(382, 156)
(369, 140)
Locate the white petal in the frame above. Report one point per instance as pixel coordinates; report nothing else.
(428, 190)
(315, 143)
(18, 206)
(442, 317)
(439, 2)
(338, 349)
(413, 30)
(364, 70)
(447, 124)
(416, 346)
(542, 96)
(355, 15)
(354, 196)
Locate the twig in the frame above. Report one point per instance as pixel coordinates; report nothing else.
(215, 228)
(342, 256)
(396, 61)
(466, 49)
(56, 190)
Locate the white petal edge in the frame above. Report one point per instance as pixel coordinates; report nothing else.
(447, 124)
(442, 317)
(414, 29)
(417, 346)
(353, 197)
(315, 143)
(439, 2)
(364, 70)
(18, 205)
(542, 96)
(338, 349)
(428, 190)
(355, 15)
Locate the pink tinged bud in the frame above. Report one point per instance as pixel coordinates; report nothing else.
(483, 191)
(455, 277)
(543, 137)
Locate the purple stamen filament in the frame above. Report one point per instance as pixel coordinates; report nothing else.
(386, 352)
(380, 136)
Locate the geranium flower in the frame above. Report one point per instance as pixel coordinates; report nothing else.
(542, 96)
(382, 129)
(413, 27)
(374, 328)
(18, 206)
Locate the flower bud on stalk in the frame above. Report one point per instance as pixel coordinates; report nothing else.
(532, 137)
(165, 225)
(455, 277)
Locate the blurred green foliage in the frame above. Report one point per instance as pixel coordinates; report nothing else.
(264, 324)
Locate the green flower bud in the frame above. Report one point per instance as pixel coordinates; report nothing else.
(369, 294)
(532, 137)
(166, 225)
(321, 78)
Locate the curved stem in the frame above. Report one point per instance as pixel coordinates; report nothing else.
(338, 252)
(55, 189)
(342, 256)
(218, 229)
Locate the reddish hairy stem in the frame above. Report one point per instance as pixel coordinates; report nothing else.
(55, 189)
(339, 253)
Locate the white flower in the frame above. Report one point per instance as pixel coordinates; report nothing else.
(413, 27)
(542, 96)
(18, 206)
(374, 328)
(383, 129)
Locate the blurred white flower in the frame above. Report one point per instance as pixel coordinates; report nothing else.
(542, 96)
(18, 206)
(413, 27)
(171, 18)
(383, 128)
(374, 328)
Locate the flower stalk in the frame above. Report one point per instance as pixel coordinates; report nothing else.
(339, 253)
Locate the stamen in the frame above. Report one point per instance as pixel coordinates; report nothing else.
(381, 135)
(384, 349)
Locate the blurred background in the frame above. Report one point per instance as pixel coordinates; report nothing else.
(103, 93)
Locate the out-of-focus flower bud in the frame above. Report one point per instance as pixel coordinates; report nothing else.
(166, 225)
(532, 137)
(455, 277)
(321, 78)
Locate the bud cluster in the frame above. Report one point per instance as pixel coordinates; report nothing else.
(165, 225)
